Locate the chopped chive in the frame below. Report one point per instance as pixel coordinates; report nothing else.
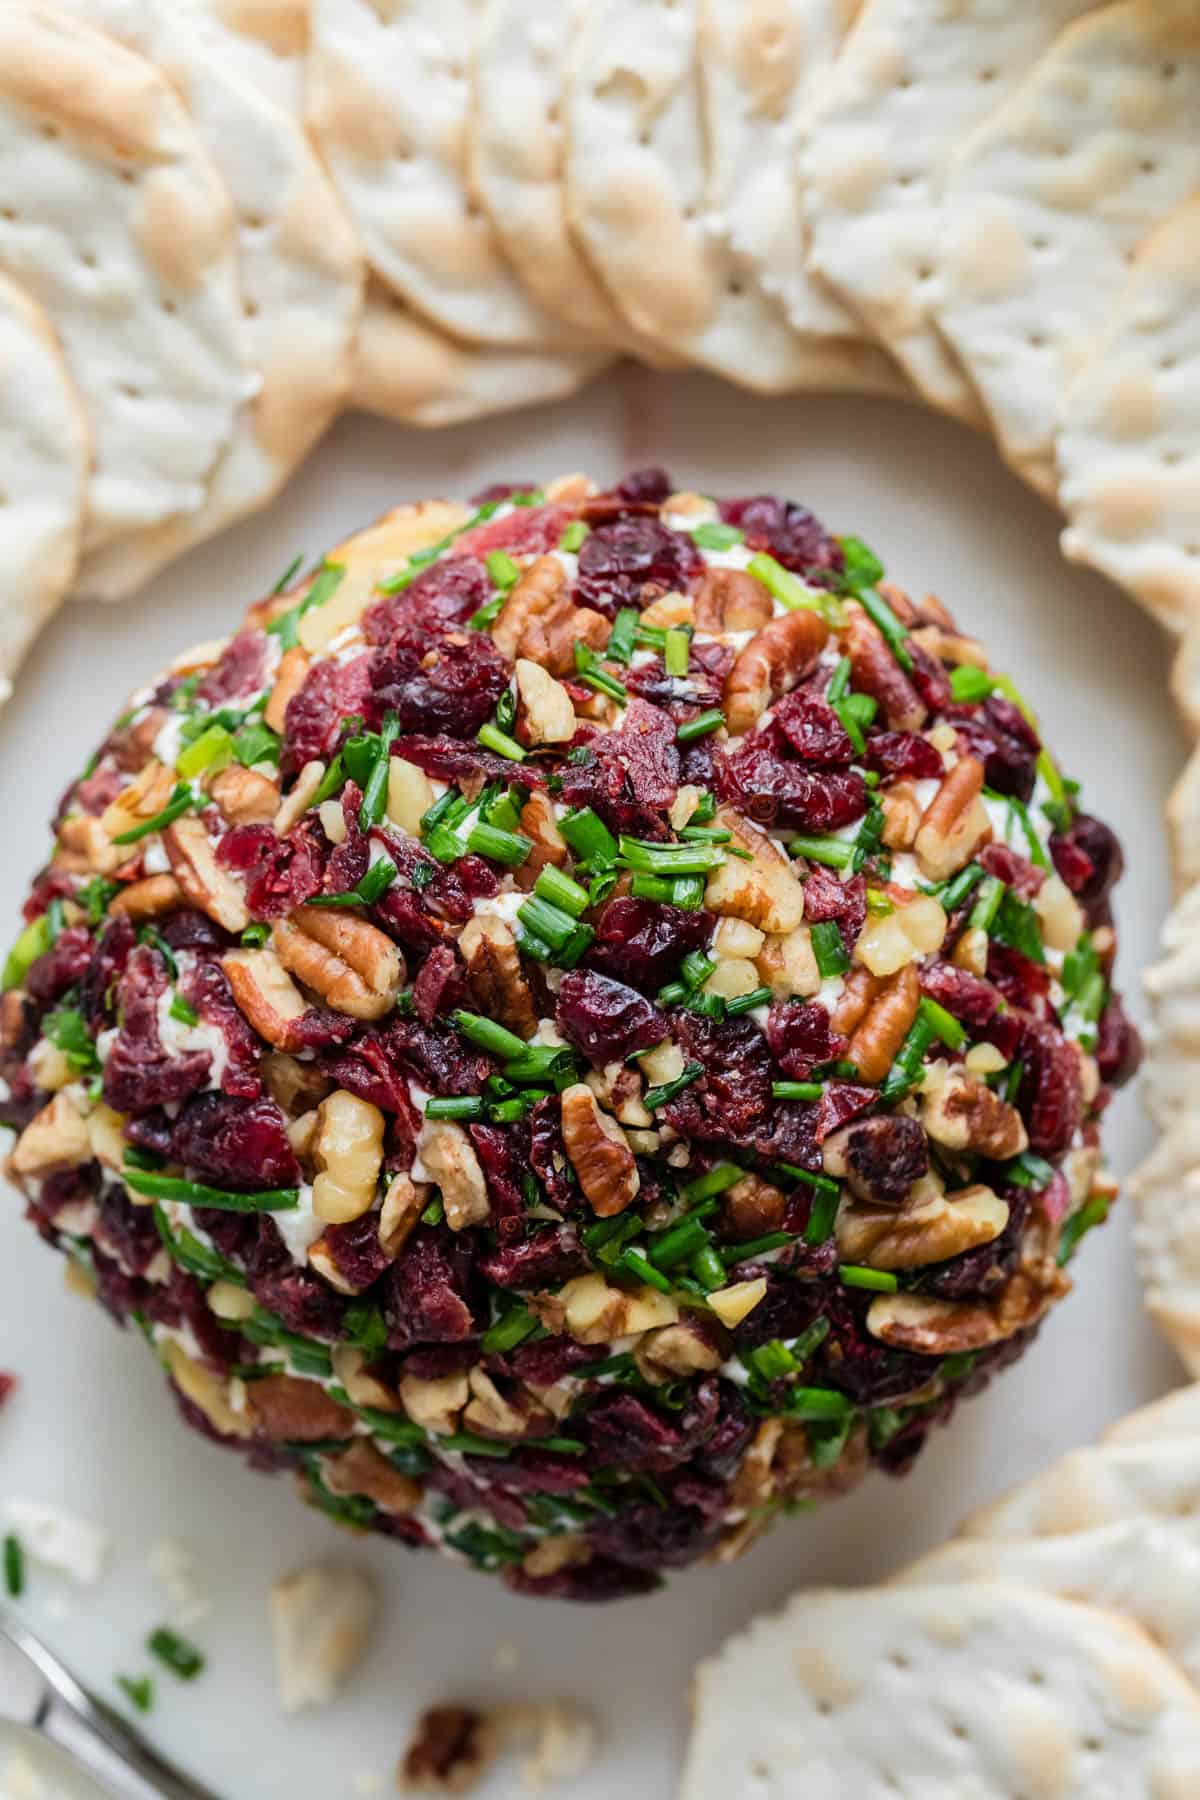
(839, 682)
(560, 891)
(14, 1566)
(620, 645)
(886, 622)
(829, 948)
(572, 538)
(138, 1690)
(588, 836)
(679, 1243)
(670, 859)
(175, 1653)
(821, 1215)
(701, 726)
(508, 847)
(710, 534)
(732, 1254)
(194, 1193)
(836, 853)
(705, 834)
(1093, 1213)
(332, 782)
(653, 887)
(503, 571)
(434, 1213)
(943, 1024)
(455, 1106)
(714, 1181)
(636, 1264)
(797, 1090)
(492, 738)
(1017, 925)
(548, 922)
(181, 1010)
(771, 1361)
(906, 1069)
(880, 1280)
(324, 585)
(212, 750)
(374, 798)
(589, 671)
(487, 614)
(676, 650)
(650, 637)
(983, 913)
(822, 1183)
(817, 1404)
(576, 945)
(537, 1061)
(1029, 1171)
(955, 891)
(696, 967)
(969, 683)
(787, 588)
(374, 884)
(669, 1090)
(744, 1003)
(516, 1325)
(182, 800)
(1012, 1081)
(708, 1269)
(488, 1035)
(289, 574)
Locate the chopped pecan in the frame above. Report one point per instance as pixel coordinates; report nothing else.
(289, 1410)
(668, 610)
(879, 1158)
(245, 796)
(203, 880)
(449, 1155)
(787, 964)
(268, 996)
(677, 1350)
(889, 940)
(753, 1207)
(875, 671)
(348, 1153)
(618, 1088)
(295, 804)
(289, 679)
(565, 1550)
(450, 1751)
(347, 960)
(885, 1024)
(766, 891)
(964, 1113)
(591, 1312)
(85, 847)
(55, 1138)
(435, 1402)
(402, 1207)
(930, 1327)
(930, 1229)
(539, 622)
(497, 979)
(599, 1155)
(778, 656)
(362, 1469)
(12, 1019)
(541, 586)
(490, 1414)
(731, 600)
(955, 824)
(539, 824)
(545, 714)
(949, 646)
(901, 815)
(148, 898)
(351, 1372)
(146, 795)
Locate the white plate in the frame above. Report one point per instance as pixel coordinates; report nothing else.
(92, 1429)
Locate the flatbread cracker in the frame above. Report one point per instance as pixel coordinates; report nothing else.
(973, 1692)
(1183, 824)
(1102, 1484)
(119, 226)
(1050, 197)
(1165, 1191)
(1147, 1572)
(263, 41)
(301, 274)
(1176, 1415)
(406, 370)
(640, 201)
(44, 469)
(1129, 432)
(1172, 1065)
(388, 99)
(914, 77)
(1185, 677)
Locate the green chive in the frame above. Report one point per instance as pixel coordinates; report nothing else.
(969, 683)
(492, 738)
(676, 650)
(14, 1566)
(817, 1404)
(687, 892)
(821, 1216)
(885, 620)
(653, 887)
(822, 1183)
(503, 571)
(660, 1096)
(181, 1010)
(839, 682)
(550, 923)
(636, 1264)
(507, 847)
(558, 890)
(488, 1035)
(829, 948)
(212, 750)
(588, 836)
(620, 645)
(194, 1193)
(374, 798)
(785, 587)
(880, 1280)
(138, 1690)
(955, 892)
(984, 911)
(374, 884)
(797, 1090)
(650, 637)
(679, 1243)
(708, 1269)
(709, 534)
(1094, 1213)
(715, 1181)
(572, 538)
(516, 1325)
(588, 670)
(771, 1361)
(745, 1003)
(255, 743)
(183, 1659)
(67, 1030)
(835, 853)
(182, 800)
(1029, 1171)
(696, 967)
(434, 1213)
(670, 859)
(943, 1024)
(186, 1249)
(455, 1106)
(255, 936)
(701, 726)
(733, 1254)
(289, 574)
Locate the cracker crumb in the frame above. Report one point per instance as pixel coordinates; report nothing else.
(174, 1565)
(506, 1658)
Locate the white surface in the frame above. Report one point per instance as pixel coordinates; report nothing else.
(91, 1429)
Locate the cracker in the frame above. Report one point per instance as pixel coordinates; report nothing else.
(973, 1692)
(43, 475)
(1145, 1571)
(1176, 1415)
(1185, 678)
(388, 100)
(405, 369)
(1049, 198)
(1165, 1191)
(301, 276)
(1183, 824)
(119, 226)
(914, 78)
(1173, 1029)
(265, 42)
(1102, 1484)
(639, 200)
(1129, 432)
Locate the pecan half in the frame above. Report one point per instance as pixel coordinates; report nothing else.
(289, 679)
(498, 982)
(362, 1469)
(875, 671)
(146, 795)
(267, 995)
(955, 824)
(347, 960)
(206, 884)
(55, 1138)
(963, 1113)
(929, 1230)
(731, 600)
(538, 620)
(932, 1327)
(599, 1155)
(244, 796)
(148, 898)
(449, 1155)
(775, 659)
(766, 891)
(885, 1024)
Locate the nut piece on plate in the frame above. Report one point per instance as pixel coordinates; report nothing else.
(549, 1067)
(322, 1618)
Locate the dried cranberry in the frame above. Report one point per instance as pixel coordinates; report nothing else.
(446, 593)
(794, 536)
(812, 728)
(1016, 872)
(651, 483)
(355, 1251)
(8, 1387)
(119, 1294)
(530, 530)
(302, 1300)
(429, 1299)
(189, 929)
(589, 1582)
(730, 1435)
(1020, 981)
(541, 1365)
(239, 1144)
(497, 491)
(95, 792)
(1118, 1044)
(625, 1433)
(971, 999)
(206, 988)
(440, 985)
(1000, 735)
(642, 942)
(313, 722)
(800, 1037)
(449, 760)
(826, 896)
(548, 1153)
(1088, 858)
(983, 1270)
(440, 684)
(127, 1232)
(550, 1255)
(786, 1310)
(884, 1156)
(1050, 1096)
(903, 754)
(529, 1472)
(139, 1073)
(841, 1100)
(605, 1019)
(732, 1097)
(646, 1536)
(434, 1054)
(60, 967)
(279, 873)
(240, 674)
(764, 787)
(631, 776)
(790, 1136)
(504, 1158)
(618, 560)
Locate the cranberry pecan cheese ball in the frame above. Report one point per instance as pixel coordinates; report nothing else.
(582, 1027)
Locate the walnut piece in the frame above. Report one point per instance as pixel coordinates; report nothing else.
(498, 983)
(546, 714)
(963, 1113)
(435, 1402)
(348, 1153)
(449, 1155)
(539, 824)
(599, 1155)
(778, 656)
(364, 1470)
(787, 964)
(55, 1138)
(766, 891)
(245, 796)
(352, 965)
(684, 1349)
(931, 1327)
(149, 898)
(932, 1227)
(591, 1312)
(206, 884)
(753, 1207)
(289, 679)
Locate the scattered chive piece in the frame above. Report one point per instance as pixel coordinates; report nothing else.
(492, 738)
(702, 725)
(255, 743)
(324, 585)
(455, 1106)
(548, 922)
(969, 683)
(14, 1567)
(139, 1691)
(1030, 1170)
(502, 569)
(195, 1193)
(375, 792)
(620, 645)
(1094, 1213)
(839, 682)
(67, 1030)
(289, 574)
(572, 538)
(488, 1035)
(715, 1181)
(653, 887)
(508, 847)
(828, 946)
(675, 651)
(516, 1325)
(33, 942)
(560, 891)
(983, 913)
(175, 1653)
(732, 1254)
(659, 1096)
(943, 1024)
(374, 884)
(213, 749)
(854, 1275)
(957, 889)
(744, 1003)
(708, 1269)
(434, 1213)
(787, 588)
(181, 1010)
(1017, 925)
(670, 859)
(588, 836)
(182, 800)
(679, 1243)
(886, 622)
(822, 1183)
(797, 1090)
(818, 1404)
(821, 1216)
(710, 534)
(589, 671)
(636, 1264)
(835, 853)
(650, 637)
